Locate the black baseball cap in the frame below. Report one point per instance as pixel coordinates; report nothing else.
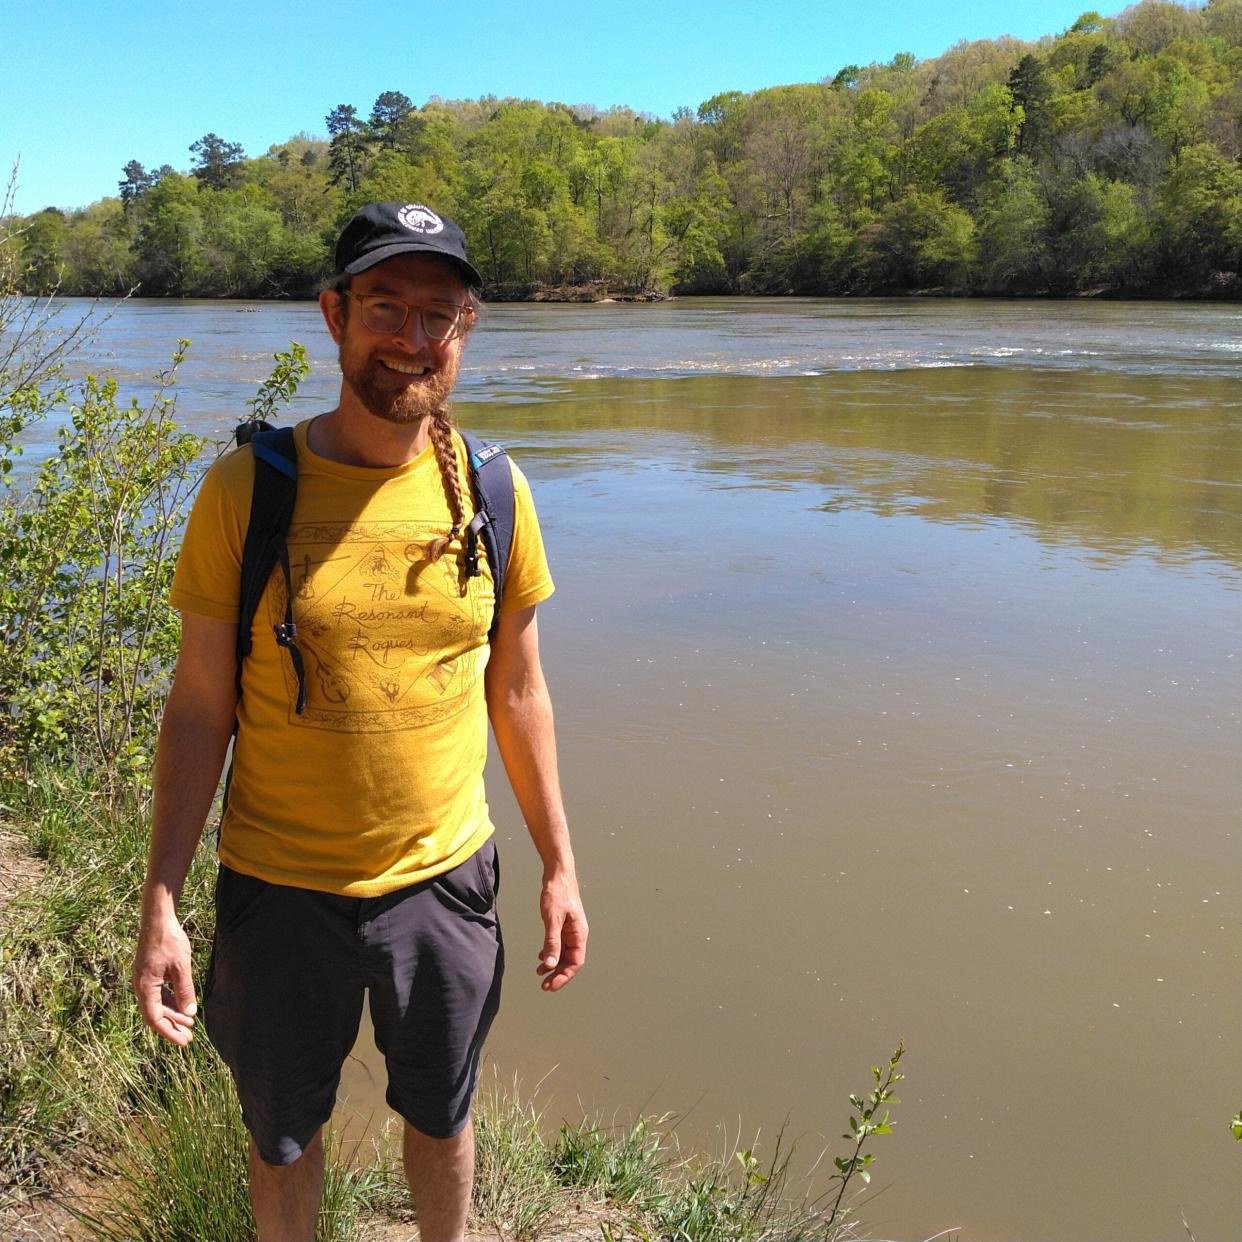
(381, 231)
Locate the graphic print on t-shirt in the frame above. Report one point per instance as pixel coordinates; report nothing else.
(388, 639)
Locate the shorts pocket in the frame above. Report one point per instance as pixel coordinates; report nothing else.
(473, 882)
(237, 897)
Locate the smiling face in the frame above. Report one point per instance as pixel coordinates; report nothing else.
(406, 376)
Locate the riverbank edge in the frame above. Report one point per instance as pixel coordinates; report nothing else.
(598, 293)
(586, 1180)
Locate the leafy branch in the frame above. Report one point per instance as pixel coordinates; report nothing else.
(865, 1121)
(290, 369)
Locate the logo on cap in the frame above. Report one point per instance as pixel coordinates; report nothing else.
(420, 219)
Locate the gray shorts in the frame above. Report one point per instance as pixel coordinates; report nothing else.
(283, 996)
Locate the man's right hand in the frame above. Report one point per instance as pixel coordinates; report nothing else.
(161, 980)
(194, 735)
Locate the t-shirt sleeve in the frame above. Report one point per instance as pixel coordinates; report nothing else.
(207, 580)
(527, 580)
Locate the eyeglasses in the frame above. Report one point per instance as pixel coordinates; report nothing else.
(441, 321)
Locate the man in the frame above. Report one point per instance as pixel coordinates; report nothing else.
(356, 846)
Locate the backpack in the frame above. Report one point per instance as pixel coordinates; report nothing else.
(271, 511)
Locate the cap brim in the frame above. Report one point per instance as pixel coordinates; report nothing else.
(383, 253)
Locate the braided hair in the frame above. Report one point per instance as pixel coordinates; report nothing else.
(441, 431)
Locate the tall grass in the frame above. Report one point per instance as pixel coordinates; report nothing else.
(627, 1166)
(515, 1188)
(71, 1041)
(177, 1167)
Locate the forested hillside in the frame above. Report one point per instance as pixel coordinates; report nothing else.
(1104, 158)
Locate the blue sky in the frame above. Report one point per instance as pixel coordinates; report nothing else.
(88, 86)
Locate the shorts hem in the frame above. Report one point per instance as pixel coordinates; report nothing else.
(287, 1149)
(452, 1130)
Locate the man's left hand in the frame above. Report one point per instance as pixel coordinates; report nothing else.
(565, 931)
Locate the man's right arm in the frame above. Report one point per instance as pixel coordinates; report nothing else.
(194, 737)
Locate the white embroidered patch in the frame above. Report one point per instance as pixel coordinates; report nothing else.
(420, 219)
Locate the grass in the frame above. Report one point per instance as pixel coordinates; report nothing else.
(71, 1042)
(85, 1086)
(626, 1166)
(515, 1189)
(176, 1168)
(638, 1183)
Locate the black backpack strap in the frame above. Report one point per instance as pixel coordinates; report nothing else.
(271, 511)
(491, 481)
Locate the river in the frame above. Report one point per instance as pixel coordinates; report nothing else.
(895, 656)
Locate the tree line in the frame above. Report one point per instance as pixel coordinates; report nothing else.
(1108, 157)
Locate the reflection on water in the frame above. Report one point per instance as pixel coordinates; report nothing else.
(1115, 462)
(899, 701)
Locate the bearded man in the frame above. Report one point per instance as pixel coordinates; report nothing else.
(356, 851)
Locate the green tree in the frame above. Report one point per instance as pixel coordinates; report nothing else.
(864, 156)
(170, 241)
(1012, 230)
(1223, 18)
(957, 150)
(1076, 240)
(1201, 213)
(134, 182)
(1099, 62)
(244, 242)
(1149, 27)
(97, 250)
(387, 113)
(1031, 91)
(785, 147)
(1178, 104)
(696, 209)
(217, 163)
(299, 189)
(1125, 256)
(723, 116)
(922, 240)
(1088, 23)
(433, 141)
(348, 150)
(391, 178)
(42, 247)
(1126, 90)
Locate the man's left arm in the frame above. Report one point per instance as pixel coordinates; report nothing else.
(520, 710)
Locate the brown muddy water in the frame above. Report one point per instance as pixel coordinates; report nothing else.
(895, 656)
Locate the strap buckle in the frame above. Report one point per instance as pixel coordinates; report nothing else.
(286, 633)
(480, 520)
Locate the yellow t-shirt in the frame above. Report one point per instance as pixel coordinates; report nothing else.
(379, 783)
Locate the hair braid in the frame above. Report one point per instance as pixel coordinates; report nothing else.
(440, 430)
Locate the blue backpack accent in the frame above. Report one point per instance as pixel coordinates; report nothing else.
(271, 511)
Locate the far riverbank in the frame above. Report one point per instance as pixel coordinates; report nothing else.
(1221, 287)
